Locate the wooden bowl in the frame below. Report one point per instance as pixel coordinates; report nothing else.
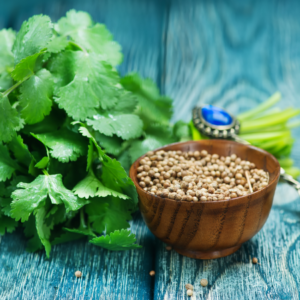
(210, 229)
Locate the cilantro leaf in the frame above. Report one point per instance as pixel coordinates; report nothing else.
(7, 38)
(116, 178)
(152, 106)
(35, 102)
(97, 39)
(57, 44)
(112, 145)
(125, 126)
(182, 131)
(66, 145)
(67, 237)
(62, 67)
(33, 36)
(31, 196)
(7, 164)
(7, 224)
(83, 231)
(91, 186)
(10, 122)
(117, 240)
(93, 86)
(73, 22)
(109, 213)
(42, 164)
(20, 150)
(43, 230)
(156, 136)
(25, 68)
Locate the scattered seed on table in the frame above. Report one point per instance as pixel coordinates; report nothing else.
(188, 286)
(78, 274)
(204, 282)
(152, 273)
(189, 293)
(168, 248)
(254, 260)
(194, 176)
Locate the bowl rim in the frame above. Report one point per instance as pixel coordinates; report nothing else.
(199, 142)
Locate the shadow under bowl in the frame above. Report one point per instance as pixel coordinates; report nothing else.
(210, 229)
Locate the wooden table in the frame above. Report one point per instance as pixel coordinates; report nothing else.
(233, 54)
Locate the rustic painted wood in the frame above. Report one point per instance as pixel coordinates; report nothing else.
(229, 53)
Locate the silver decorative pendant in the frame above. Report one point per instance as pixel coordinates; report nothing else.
(215, 122)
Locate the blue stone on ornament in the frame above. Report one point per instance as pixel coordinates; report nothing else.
(216, 116)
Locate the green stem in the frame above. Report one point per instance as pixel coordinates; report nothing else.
(82, 221)
(79, 46)
(264, 136)
(45, 172)
(272, 120)
(260, 108)
(7, 92)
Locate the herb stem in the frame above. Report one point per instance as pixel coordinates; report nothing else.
(45, 172)
(7, 92)
(82, 221)
(260, 108)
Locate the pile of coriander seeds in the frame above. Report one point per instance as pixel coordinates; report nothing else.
(198, 176)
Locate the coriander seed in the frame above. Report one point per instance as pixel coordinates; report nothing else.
(189, 293)
(204, 282)
(152, 273)
(254, 260)
(78, 274)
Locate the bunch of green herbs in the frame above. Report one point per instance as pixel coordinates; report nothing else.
(70, 127)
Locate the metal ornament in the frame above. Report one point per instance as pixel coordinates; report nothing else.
(216, 123)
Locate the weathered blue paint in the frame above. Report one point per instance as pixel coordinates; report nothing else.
(231, 54)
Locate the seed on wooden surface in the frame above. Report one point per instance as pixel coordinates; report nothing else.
(189, 286)
(152, 273)
(189, 293)
(204, 282)
(168, 248)
(254, 260)
(78, 274)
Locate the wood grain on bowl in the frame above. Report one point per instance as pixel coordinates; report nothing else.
(210, 229)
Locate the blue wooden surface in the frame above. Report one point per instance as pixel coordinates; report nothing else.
(231, 53)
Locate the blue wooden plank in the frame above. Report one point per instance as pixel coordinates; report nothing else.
(235, 54)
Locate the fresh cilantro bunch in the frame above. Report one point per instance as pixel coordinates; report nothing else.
(70, 127)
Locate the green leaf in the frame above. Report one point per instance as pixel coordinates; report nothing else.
(93, 86)
(67, 237)
(25, 68)
(109, 214)
(10, 122)
(82, 231)
(152, 106)
(117, 240)
(66, 145)
(20, 150)
(43, 230)
(73, 22)
(156, 137)
(91, 186)
(35, 98)
(7, 38)
(112, 145)
(7, 164)
(97, 39)
(62, 67)
(42, 164)
(31, 196)
(7, 224)
(182, 131)
(33, 36)
(115, 177)
(125, 126)
(57, 44)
